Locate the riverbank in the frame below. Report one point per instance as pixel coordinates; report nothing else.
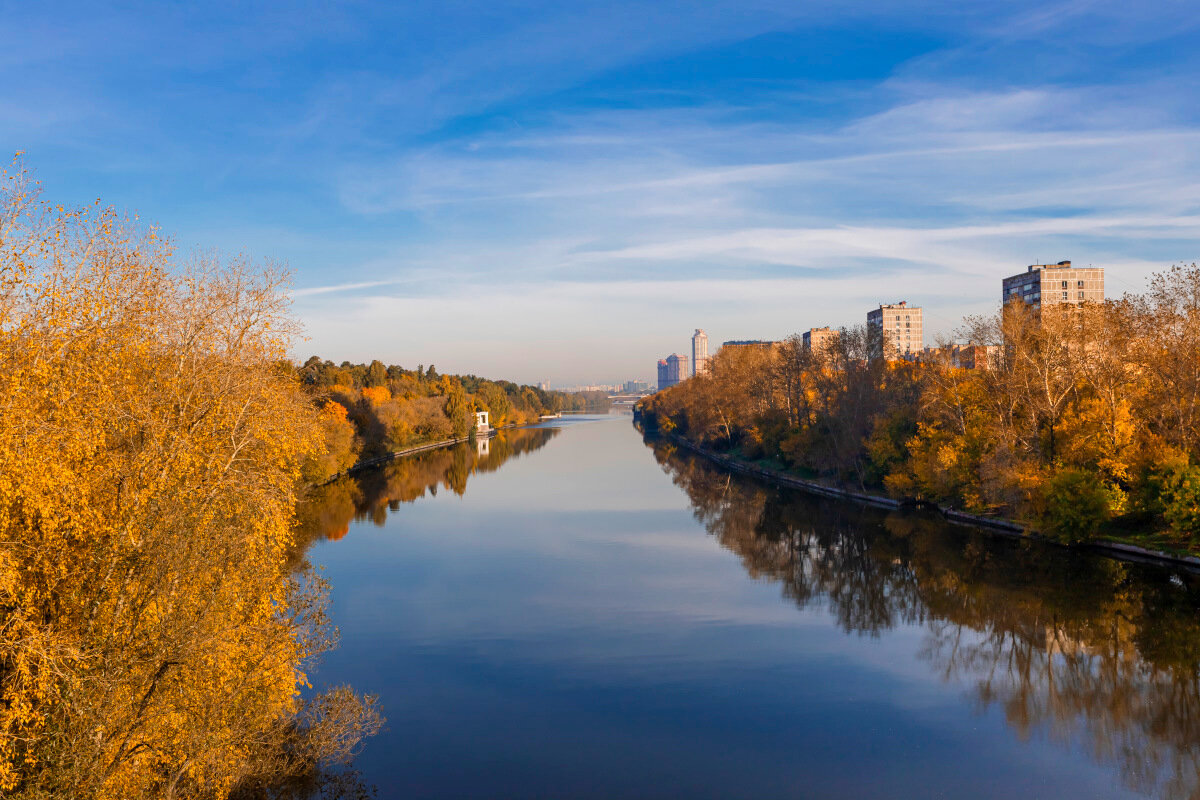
(1005, 527)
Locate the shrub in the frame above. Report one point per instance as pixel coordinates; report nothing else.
(1073, 506)
(1181, 498)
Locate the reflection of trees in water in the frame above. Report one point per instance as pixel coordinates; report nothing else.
(1080, 649)
(370, 494)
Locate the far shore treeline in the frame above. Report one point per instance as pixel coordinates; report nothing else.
(1083, 421)
(368, 410)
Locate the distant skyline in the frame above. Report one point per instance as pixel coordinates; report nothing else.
(567, 190)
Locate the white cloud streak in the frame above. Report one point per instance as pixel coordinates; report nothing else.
(663, 221)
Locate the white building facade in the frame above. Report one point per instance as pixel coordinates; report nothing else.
(699, 352)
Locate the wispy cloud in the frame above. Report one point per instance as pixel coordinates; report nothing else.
(341, 287)
(933, 199)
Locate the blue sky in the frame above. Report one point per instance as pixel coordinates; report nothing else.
(565, 190)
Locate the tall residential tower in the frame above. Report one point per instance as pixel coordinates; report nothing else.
(672, 370)
(699, 352)
(677, 368)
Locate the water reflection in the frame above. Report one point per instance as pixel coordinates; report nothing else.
(326, 513)
(1098, 655)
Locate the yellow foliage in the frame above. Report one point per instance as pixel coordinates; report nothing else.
(149, 454)
(333, 411)
(377, 395)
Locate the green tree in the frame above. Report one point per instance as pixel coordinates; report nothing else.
(377, 374)
(1181, 498)
(1074, 506)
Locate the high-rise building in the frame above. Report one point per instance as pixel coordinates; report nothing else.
(672, 370)
(901, 327)
(1053, 284)
(677, 368)
(699, 352)
(819, 339)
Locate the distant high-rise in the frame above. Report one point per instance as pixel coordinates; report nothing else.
(677, 368)
(672, 370)
(901, 328)
(699, 352)
(1054, 284)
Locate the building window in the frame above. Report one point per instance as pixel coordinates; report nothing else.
(1064, 284)
(1081, 295)
(1064, 297)
(1079, 284)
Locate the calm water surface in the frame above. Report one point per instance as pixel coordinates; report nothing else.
(581, 614)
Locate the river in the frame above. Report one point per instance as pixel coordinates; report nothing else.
(579, 613)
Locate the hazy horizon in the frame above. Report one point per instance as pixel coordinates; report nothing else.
(534, 191)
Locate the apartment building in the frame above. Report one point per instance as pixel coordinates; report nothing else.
(819, 339)
(677, 368)
(1054, 284)
(902, 330)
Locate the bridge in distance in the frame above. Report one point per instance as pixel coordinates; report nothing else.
(626, 399)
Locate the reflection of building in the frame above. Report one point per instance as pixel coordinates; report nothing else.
(819, 339)
(901, 328)
(483, 446)
(1053, 284)
(699, 352)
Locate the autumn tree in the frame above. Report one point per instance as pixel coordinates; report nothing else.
(154, 638)
(339, 448)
